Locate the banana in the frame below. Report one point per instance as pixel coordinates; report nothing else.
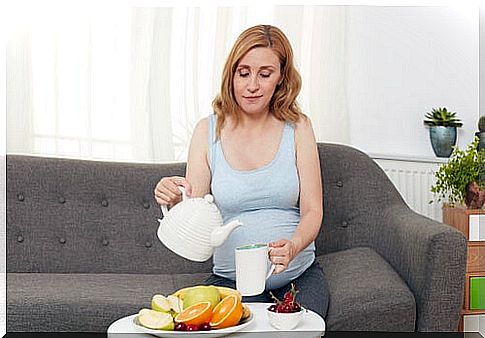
(246, 312)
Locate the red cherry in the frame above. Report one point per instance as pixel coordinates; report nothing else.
(287, 308)
(280, 308)
(192, 327)
(272, 308)
(180, 327)
(296, 307)
(205, 327)
(288, 297)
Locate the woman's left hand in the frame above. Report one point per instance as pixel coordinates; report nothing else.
(281, 253)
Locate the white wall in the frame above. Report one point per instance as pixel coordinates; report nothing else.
(3, 194)
(482, 60)
(403, 61)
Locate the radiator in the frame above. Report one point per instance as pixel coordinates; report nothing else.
(413, 178)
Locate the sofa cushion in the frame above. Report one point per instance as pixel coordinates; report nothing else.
(83, 302)
(366, 293)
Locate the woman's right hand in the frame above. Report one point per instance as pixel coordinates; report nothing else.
(167, 191)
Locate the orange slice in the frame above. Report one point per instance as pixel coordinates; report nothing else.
(227, 313)
(196, 314)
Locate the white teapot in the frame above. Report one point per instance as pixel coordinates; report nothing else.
(193, 227)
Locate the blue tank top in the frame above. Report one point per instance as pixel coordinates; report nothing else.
(265, 200)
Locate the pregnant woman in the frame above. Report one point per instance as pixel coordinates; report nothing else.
(257, 155)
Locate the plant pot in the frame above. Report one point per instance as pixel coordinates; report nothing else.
(481, 143)
(442, 140)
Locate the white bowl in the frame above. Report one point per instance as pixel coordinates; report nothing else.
(285, 321)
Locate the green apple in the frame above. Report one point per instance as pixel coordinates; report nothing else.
(155, 320)
(202, 294)
(160, 303)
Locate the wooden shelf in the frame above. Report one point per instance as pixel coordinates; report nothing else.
(459, 217)
(472, 312)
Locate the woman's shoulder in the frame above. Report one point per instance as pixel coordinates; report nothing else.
(303, 125)
(203, 122)
(304, 133)
(201, 129)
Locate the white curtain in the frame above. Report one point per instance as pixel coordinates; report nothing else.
(131, 83)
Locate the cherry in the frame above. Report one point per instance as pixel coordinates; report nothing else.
(192, 327)
(205, 327)
(180, 327)
(279, 308)
(287, 308)
(272, 308)
(289, 304)
(288, 297)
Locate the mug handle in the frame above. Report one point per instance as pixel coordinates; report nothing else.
(271, 270)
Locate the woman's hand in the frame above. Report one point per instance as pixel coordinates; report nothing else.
(281, 253)
(167, 191)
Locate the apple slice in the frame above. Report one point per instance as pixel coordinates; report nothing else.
(156, 320)
(160, 303)
(176, 304)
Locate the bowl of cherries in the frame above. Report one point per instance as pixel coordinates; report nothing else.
(285, 314)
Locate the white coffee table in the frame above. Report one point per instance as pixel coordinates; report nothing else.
(312, 325)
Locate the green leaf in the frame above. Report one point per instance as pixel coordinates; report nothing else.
(463, 167)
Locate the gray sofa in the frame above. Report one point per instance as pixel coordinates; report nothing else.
(82, 249)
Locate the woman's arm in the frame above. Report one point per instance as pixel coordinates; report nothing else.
(311, 208)
(197, 175)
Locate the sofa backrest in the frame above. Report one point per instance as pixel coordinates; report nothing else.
(57, 206)
(356, 194)
(68, 216)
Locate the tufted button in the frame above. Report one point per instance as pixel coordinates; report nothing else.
(148, 244)
(62, 240)
(105, 242)
(62, 200)
(345, 224)
(146, 205)
(104, 203)
(21, 197)
(340, 184)
(20, 238)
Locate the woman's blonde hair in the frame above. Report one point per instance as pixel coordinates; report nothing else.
(283, 103)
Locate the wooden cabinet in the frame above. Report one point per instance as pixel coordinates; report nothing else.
(472, 224)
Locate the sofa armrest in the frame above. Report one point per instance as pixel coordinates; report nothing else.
(431, 258)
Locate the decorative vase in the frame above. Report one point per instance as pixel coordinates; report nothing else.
(442, 140)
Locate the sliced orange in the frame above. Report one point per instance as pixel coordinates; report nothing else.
(196, 314)
(227, 313)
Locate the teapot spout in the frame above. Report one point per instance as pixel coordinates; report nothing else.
(220, 234)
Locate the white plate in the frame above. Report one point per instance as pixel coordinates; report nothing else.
(194, 334)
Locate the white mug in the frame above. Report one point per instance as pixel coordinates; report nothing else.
(253, 268)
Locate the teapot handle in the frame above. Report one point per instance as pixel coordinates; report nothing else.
(184, 197)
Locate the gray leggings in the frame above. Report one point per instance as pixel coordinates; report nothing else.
(312, 286)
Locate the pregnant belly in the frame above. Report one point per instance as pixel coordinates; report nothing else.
(262, 226)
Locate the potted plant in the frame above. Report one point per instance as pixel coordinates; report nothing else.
(459, 181)
(481, 132)
(442, 130)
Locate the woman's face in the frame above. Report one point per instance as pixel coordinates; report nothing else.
(255, 80)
